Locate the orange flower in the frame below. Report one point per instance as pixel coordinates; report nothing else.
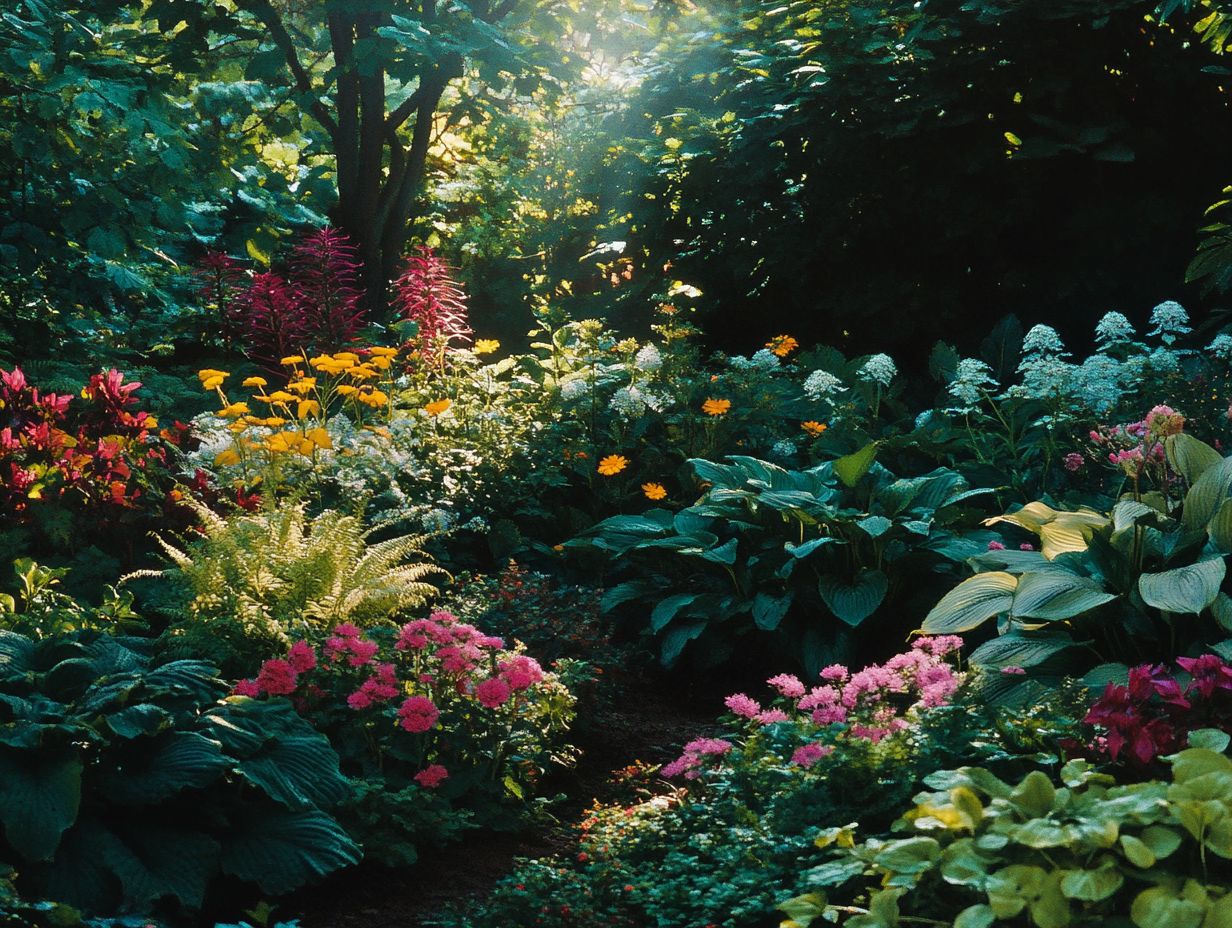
(612, 465)
(814, 428)
(654, 490)
(713, 407)
(782, 345)
(437, 407)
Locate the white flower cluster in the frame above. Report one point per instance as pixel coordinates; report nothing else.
(880, 369)
(972, 379)
(1170, 321)
(1113, 329)
(821, 385)
(648, 358)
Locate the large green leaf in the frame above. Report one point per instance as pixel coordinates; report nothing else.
(854, 602)
(769, 610)
(1220, 527)
(1190, 457)
(973, 602)
(281, 850)
(16, 652)
(1054, 595)
(1207, 495)
(852, 467)
(39, 799)
(1188, 589)
(149, 771)
(676, 638)
(663, 613)
(1019, 649)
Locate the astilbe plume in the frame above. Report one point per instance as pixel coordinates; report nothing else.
(426, 293)
(326, 282)
(270, 319)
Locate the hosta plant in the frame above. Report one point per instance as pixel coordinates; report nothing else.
(810, 558)
(446, 728)
(131, 787)
(1144, 581)
(251, 582)
(978, 852)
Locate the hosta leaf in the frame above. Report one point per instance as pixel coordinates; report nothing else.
(16, 652)
(39, 799)
(141, 719)
(297, 770)
(1190, 457)
(1220, 527)
(676, 638)
(854, 602)
(1092, 885)
(1018, 649)
(1207, 495)
(768, 611)
(150, 772)
(875, 526)
(1161, 907)
(1055, 595)
(281, 850)
(1188, 589)
(662, 614)
(851, 468)
(971, 603)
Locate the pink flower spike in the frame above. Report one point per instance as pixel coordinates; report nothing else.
(246, 688)
(432, 776)
(418, 714)
(302, 657)
(742, 705)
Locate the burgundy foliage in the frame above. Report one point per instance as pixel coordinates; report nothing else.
(427, 294)
(270, 319)
(325, 275)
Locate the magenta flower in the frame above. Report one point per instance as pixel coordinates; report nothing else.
(362, 652)
(996, 546)
(492, 692)
(742, 705)
(520, 672)
(302, 657)
(788, 685)
(276, 678)
(808, 754)
(432, 776)
(246, 688)
(418, 714)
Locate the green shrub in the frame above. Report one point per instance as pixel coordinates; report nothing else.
(129, 786)
(979, 851)
(770, 551)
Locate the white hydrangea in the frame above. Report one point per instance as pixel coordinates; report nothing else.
(1170, 321)
(1114, 328)
(879, 369)
(628, 403)
(438, 520)
(766, 360)
(969, 383)
(1044, 376)
(574, 389)
(1042, 340)
(1098, 382)
(741, 363)
(784, 448)
(648, 358)
(1221, 347)
(1165, 361)
(821, 384)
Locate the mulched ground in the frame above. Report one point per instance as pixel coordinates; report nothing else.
(648, 722)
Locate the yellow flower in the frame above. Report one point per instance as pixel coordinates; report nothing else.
(486, 346)
(238, 426)
(292, 360)
(382, 352)
(255, 381)
(373, 398)
(782, 345)
(334, 365)
(814, 428)
(379, 362)
(274, 421)
(654, 490)
(437, 407)
(346, 356)
(234, 410)
(229, 456)
(713, 407)
(361, 372)
(212, 379)
(283, 441)
(278, 396)
(320, 438)
(346, 389)
(308, 408)
(612, 465)
(303, 385)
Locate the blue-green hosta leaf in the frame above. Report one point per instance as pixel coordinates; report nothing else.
(625, 592)
(1018, 649)
(723, 554)
(160, 768)
(662, 614)
(16, 653)
(875, 526)
(1054, 595)
(141, 719)
(298, 770)
(853, 602)
(676, 638)
(1188, 589)
(720, 476)
(972, 603)
(39, 799)
(1220, 527)
(1190, 457)
(281, 850)
(768, 610)
(808, 547)
(1207, 495)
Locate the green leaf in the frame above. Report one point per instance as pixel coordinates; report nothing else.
(1137, 852)
(177, 761)
(768, 610)
(875, 526)
(1207, 495)
(39, 800)
(851, 468)
(1053, 595)
(1092, 885)
(975, 916)
(1190, 457)
(1188, 589)
(1161, 907)
(854, 602)
(665, 611)
(676, 638)
(1220, 527)
(1019, 649)
(1212, 739)
(1034, 795)
(281, 850)
(971, 603)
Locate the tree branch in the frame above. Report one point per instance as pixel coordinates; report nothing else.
(265, 12)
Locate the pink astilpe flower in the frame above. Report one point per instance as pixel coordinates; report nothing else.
(418, 714)
(302, 657)
(492, 692)
(431, 776)
(788, 685)
(808, 754)
(520, 672)
(742, 705)
(246, 688)
(276, 678)
(996, 546)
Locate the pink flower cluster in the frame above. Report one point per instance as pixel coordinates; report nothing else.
(1135, 447)
(871, 704)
